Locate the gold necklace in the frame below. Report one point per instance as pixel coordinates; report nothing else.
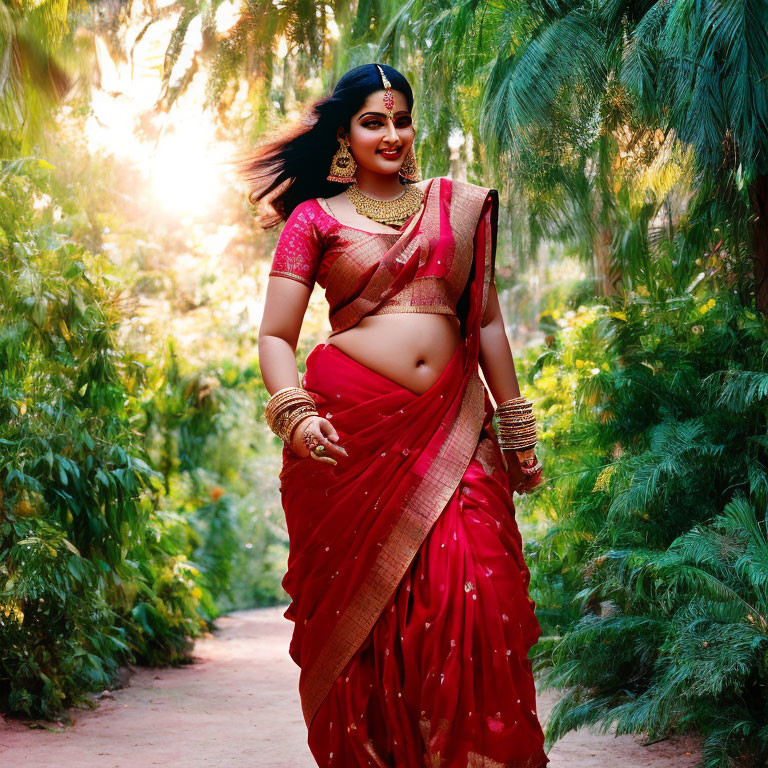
(394, 211)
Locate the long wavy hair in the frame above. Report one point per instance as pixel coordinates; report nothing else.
(292, 167)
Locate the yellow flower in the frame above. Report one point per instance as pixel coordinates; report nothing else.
(548, 383)
(584, 319)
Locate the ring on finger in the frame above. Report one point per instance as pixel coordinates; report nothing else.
(318, 454)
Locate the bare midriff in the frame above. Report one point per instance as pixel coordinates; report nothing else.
(410, 348)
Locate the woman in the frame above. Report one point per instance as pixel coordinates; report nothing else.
(408, 585)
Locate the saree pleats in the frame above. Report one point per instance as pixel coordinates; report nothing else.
(409, 454)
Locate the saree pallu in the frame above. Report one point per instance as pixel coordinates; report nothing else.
(408, 585)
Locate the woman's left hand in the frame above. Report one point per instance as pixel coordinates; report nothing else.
(519, 480)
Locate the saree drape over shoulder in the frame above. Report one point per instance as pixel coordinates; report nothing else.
(408, 585)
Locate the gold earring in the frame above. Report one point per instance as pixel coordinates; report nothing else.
(410, 169)
(343, 165)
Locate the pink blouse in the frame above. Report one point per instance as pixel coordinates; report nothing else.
(312, 241)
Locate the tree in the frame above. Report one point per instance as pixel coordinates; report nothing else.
(700, 68)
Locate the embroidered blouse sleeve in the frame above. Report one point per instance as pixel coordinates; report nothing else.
(299, 247)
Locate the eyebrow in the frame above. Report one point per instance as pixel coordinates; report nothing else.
(381, 114)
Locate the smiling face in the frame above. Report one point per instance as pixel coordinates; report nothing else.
(376, 142)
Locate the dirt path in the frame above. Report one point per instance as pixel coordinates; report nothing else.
(238, 705)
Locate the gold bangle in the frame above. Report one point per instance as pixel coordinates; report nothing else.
(292, 419)
(507, 406)
(283, 408)
(288, 397)
(517, 425)
(296, 418)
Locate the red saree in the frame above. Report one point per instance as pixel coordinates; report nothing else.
(408, 585)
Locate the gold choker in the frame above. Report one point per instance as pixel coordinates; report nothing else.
(391, 212)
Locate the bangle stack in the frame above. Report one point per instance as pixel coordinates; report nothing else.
(286, 408)
(517, 424)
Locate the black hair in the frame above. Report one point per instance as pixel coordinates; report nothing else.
(292, 168)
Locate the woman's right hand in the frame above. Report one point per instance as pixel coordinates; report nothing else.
(321, 432)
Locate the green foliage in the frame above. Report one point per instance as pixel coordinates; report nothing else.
(581, 109)
(203, 433)
(702, 67)
(31, 75)
(655, 417)
(91, 572)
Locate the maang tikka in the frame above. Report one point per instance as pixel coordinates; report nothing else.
(409, 169)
